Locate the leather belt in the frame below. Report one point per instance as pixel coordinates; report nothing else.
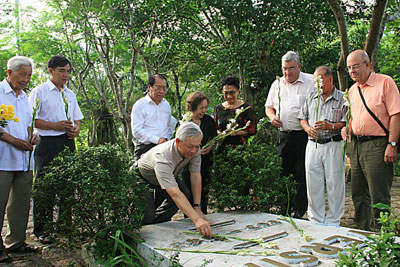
(364, 138)
(327, 140)
(292, 131)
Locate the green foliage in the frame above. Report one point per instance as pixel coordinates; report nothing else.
(174, 260)
(97, 193)
(381, 249)
(248, 178)
(123, 254)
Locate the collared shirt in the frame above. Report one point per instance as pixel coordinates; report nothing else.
(161, 164)
(11, 158)
(150, 121)
(52, 106)
(333, 110)
(292, 97)
(383, 99)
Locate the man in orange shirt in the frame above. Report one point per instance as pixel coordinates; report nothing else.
(373, 153)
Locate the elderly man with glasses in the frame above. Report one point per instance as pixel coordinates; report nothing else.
(286, 96)
(373, 146)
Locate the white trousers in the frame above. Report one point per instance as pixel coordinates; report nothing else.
(325, 165)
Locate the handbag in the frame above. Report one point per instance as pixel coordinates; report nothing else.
(375, 117)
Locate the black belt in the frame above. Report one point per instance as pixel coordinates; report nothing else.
(327, 140)
(292, 131)
(54, 136)
(364, 138)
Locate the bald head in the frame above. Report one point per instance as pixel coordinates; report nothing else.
(358, 65)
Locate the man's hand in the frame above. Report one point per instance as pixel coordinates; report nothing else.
(35, 139)
(203, 226)
(63, 126)
(323, 125)
(207, 150)
(344, 134)
(161, 140)
(21, 144)
(312, 132)
(276, 122)
(390, 154)
(74, 132)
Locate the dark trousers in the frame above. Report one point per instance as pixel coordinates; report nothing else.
(49, 147)
(140, 149)
(167, 209)
(292, 149)
(205, 178)
(371, 181)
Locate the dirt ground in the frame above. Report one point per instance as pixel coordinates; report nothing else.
(58, 255)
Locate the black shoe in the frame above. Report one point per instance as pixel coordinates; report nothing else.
(297, 214)
(4, 257)
(25, 248)
(45, 240)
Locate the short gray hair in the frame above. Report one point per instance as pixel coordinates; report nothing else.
(188, 129)
(289, 56)
(16, 62)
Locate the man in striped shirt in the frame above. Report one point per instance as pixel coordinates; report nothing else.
(324, 160)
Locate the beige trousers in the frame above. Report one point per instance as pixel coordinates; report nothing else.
(15, 188)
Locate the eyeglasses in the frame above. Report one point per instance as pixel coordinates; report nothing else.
(355, 66)
(288, 69)
(229, 92)
(160, 88)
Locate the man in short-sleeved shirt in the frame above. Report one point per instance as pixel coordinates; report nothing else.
(160, 167)
(324, 158)
(372, 152)
(285, 98)
(57, 122)
(15, 147)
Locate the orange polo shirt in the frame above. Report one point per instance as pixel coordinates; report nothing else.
(383, 99)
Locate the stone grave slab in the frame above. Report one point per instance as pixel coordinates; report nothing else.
(288, 247)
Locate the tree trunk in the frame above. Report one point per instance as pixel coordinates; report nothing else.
(371, 43)
(344, 43)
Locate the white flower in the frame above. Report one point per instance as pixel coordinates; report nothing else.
(269, 245)
(232, 120)
(238, 111)
(229, 126)
(308, 237)
(318, 82)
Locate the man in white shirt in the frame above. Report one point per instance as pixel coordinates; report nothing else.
(57, 122)
(285, 98)
(15, 148)
(151, 116)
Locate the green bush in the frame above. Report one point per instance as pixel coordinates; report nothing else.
(97, 193)
(381, 249)
(248, 178)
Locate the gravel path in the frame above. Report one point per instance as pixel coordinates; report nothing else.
(57, 255)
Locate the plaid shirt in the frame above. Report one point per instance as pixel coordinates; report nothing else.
(332, 110)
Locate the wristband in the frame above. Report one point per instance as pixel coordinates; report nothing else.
(196, 206)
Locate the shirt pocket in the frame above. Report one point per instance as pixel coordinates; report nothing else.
(335, 115)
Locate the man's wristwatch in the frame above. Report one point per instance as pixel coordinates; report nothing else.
(393, 144)
(196, 205)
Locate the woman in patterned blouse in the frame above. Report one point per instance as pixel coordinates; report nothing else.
(227, 110)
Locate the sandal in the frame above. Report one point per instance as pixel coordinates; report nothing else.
(25, 248)
(4, 257)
